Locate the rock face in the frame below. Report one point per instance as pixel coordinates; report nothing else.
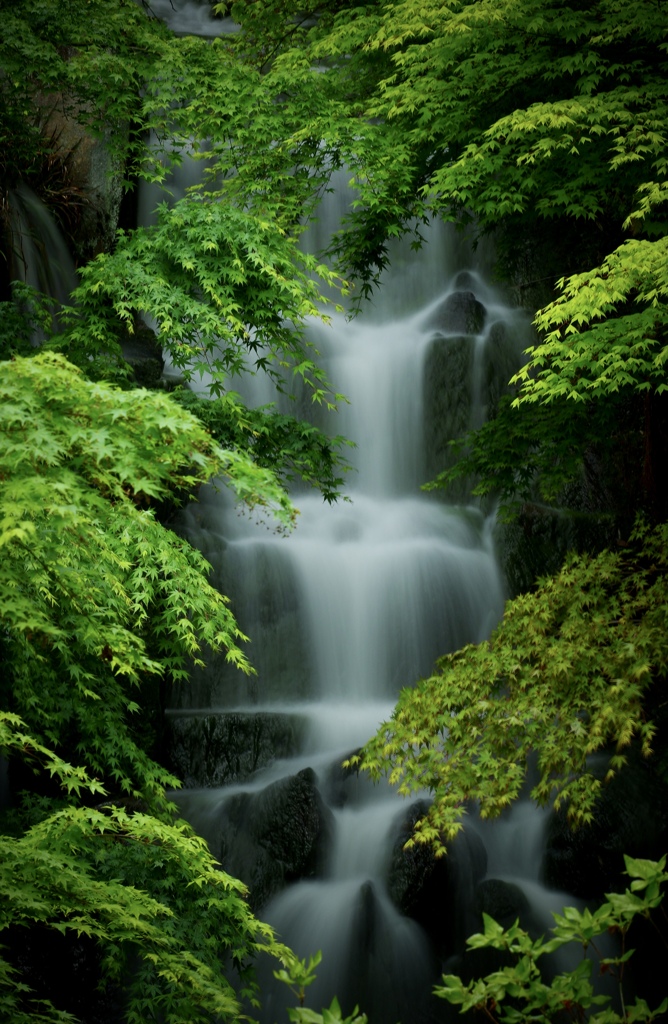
(277, 836)
(630, 817)
(447, 396)
(261, 584)
(501, 900)
(459, 313)
(438, 893)
(342, 785)
(501, 362)
(90, 168)
(467, 367)
(215, 749)
(391, 974)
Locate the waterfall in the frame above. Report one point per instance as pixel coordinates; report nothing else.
(39, 255)
(191, 17)
(354, 605)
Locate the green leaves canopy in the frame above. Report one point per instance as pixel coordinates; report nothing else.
(221, 274)
(81, 464)
(97, 597)
(511, 113)
(158, 911)
(565, 674)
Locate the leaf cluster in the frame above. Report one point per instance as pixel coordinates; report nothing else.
(292, 448)
(508, 114)
(532, 453)
(220, 275)
(565, 674)
(606, 332)
(145, 893)
(97, 598)
(95, 589)
(228, 292)
(519, 993)
(298, 975)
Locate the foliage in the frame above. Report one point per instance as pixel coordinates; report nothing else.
(586, 459)
(298, 975)
(147, 893)
(508, 112)
(529, 446)
(221, 274)
(293, 448)
(564, 675)
(98, 597)
(587, 348)
(82, 463)
(21, 320)
(544, 123)
(331, 1014)
(518, 992)
(222, 286)
(507, 107)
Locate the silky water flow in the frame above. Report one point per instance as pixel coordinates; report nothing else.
(352, 606)
(355, 604)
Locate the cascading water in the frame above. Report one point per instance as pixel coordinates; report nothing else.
(357, 603)
(40, 252)
(191, 17)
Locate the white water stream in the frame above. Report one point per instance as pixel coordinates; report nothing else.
(355, 604)
(358, 602)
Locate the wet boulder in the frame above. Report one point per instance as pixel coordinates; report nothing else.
(390, 968)
(629, 817)
(91, 169)
(437, 892)
(447, 401)
(501, 900)
(276, 836)
(459, 313)
(413, 869)
(345, 785)
(464, 281)
(207, 750)
(501, 359)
